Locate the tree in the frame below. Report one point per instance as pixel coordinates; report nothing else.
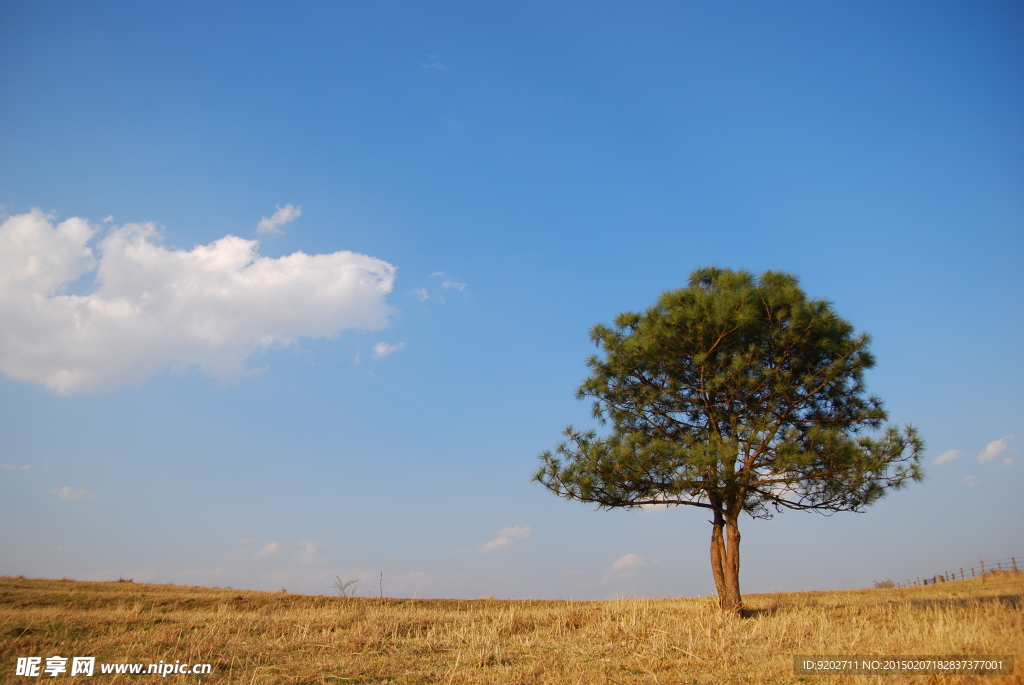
(734, 394)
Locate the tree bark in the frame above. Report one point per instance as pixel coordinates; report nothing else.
(718, 553)
(725, 560)
(732, 601)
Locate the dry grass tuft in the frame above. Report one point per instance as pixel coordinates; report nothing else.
(262, 637)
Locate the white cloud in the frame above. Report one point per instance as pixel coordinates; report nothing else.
(268, 550)
(421, 294)
(629, 562)
(1007, 461)
(383, 349)
(26, 467)
(971, 481)
(309, 552)
(994, 449)
(282, 216)
(448, 282)
(506, 538)
(154, 308)
(949, 455)
(68, 492)
(433, 63)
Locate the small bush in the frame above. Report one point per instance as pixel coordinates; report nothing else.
(346, 588)
(884, 583)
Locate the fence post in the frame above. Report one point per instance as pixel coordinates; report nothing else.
(983, 568)
(999, 566)
(972, 572)
(1014, 560)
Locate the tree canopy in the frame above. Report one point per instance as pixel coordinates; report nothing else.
(734, 394)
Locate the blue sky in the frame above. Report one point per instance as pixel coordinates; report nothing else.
(446, 197)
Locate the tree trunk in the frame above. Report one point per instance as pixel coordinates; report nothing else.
(732, 600)
(725, 560)
(718, 553)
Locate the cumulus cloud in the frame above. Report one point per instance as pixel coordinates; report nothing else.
(383, 349)
(506, 538)
(629, 562)
(971, 481)
(152, 307)
(949, 455)
(68, 492)
(995, 449)
(421, 294)
(282, 216)
(26, 467)
(269, 550)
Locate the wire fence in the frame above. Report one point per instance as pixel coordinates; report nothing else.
(983, 568)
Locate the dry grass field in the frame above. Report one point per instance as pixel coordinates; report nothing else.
(260, 637)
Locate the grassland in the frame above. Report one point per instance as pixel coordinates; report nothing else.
(259, 637)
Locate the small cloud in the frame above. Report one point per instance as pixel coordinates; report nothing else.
(1007, 461)
(994, 449)
(421, 294)
(433, 63)
(383, 349)
(309, 552)
(68, 492)
(437, 274)
(506, 538)
(26, 467)
(411, 575)
(107, 219)
(629, 562)
(949, 455)
(268, 550)
(971, 481)
(282, 216)
(454, 284)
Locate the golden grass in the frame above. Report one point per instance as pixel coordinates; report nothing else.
(261, 637)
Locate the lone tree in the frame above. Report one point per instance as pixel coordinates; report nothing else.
(733, 394)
